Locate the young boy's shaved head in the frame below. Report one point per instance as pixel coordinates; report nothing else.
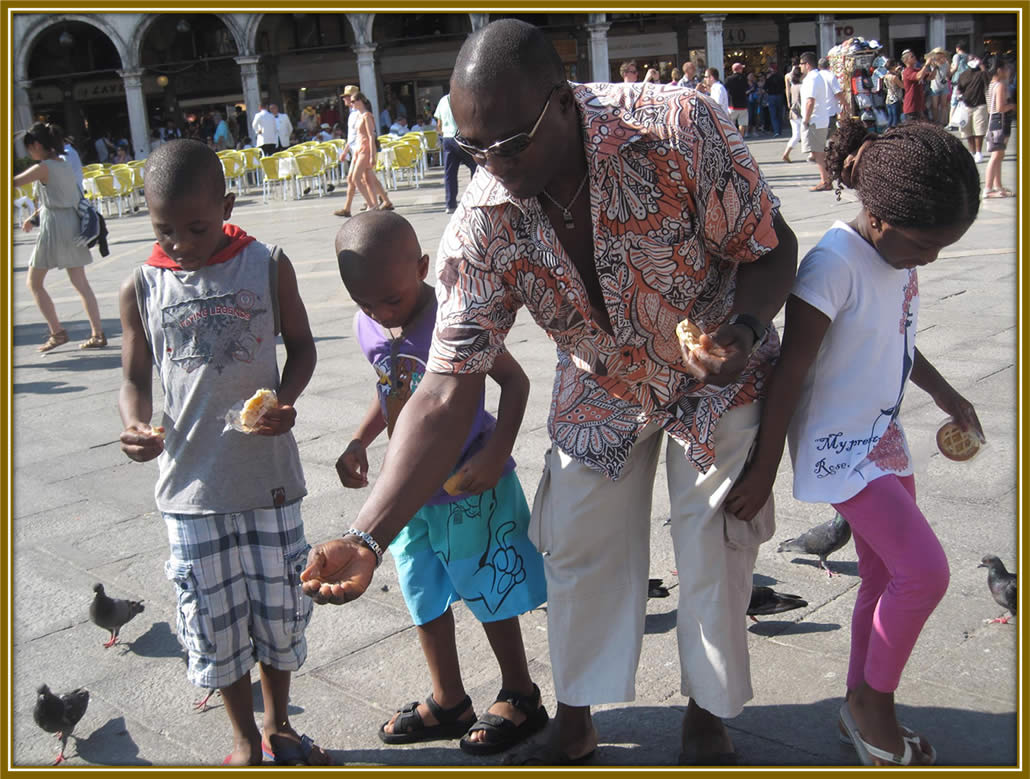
(183, 168)
(372, 242)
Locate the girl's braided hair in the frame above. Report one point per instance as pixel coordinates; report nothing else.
(914, 175)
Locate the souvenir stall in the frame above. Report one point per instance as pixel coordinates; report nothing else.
(852, 63)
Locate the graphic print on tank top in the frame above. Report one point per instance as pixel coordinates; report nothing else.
(213, 331)
(889, 452)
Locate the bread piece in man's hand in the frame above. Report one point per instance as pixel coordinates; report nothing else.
(688, 334)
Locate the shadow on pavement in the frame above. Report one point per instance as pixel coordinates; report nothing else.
(45, 388)
(660, 623)
(78, 331)
(772, 627)
(158, 641)
(110, 744)
(842, 567)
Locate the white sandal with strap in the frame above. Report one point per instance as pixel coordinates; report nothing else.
(867, 752)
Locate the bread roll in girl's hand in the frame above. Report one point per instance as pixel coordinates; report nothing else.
(261, 401)
(957, 444)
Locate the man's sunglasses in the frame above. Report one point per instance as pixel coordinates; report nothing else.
(509, 147)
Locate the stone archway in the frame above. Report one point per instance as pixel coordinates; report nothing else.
(36, 25)
(63, 67)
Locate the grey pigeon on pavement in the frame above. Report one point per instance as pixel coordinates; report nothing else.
(765, 600)
(112, 613)
(1002, 584)
(822, 540)
(59, 713)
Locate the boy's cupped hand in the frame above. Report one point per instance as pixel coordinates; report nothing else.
(141, 442)
(338, 571)
(481, 472)
(352, 466)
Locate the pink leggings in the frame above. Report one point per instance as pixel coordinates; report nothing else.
(904, 576)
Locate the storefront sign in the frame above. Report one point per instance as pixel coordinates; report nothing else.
(622, 47)
(99, 90)
(805, 33)
(45, 95)
(734, 33)
(88, 91)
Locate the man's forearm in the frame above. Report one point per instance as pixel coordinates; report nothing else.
(425, 445)
(763, 285)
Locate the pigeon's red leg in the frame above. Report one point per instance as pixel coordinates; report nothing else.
(113, 640)
(202, 703)
(752, 618)
(60, 755)
(999, 620)
(826, 567)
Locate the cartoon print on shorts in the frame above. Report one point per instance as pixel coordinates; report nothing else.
(409, 372)
(213, 331)
(500, 566)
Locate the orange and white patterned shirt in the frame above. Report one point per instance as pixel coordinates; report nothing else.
(676, 201)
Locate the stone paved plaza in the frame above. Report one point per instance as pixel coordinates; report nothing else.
(83, 513)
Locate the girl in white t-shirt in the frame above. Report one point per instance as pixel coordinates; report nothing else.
(848, 352)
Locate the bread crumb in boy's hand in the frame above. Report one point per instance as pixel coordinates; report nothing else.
(453, 485)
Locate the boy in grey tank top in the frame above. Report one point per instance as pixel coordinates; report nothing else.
(205, 309)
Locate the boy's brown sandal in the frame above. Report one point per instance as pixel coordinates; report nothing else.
(55, 340)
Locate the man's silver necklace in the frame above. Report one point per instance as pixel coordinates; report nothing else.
(565, 210)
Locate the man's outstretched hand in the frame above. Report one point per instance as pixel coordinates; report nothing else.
(338, 571)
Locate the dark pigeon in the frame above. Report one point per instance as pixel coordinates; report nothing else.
(822, 540)
(59, 713)
(655, 589)
(1002, 584)
(112, 613)
(765, 600)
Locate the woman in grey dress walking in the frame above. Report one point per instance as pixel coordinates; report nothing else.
(58, 243)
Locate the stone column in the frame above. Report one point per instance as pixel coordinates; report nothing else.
(479, 21)
(138, 123)
(598, 28)
(936, 32)
(367, 76)
(251, 90)
(714, 57)
(827, 34)
(22, 116)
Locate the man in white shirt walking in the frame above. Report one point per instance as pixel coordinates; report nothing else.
(835, 102)
(716, 90)
(264, 130)
(815, 118)
(453, 155)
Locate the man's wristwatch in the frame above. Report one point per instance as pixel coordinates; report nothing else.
(753, 324)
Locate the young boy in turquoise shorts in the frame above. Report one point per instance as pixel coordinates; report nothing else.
(469, 541)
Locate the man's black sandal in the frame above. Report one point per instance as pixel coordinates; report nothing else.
(501, 733)
(410, 729)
